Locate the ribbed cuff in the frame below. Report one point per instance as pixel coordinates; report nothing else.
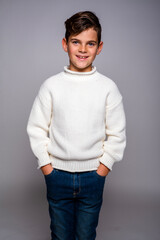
(43, 160)
(107, 160)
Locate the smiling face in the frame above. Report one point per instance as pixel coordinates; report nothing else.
(82, 50)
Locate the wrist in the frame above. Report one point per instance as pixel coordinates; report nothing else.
(47, 169)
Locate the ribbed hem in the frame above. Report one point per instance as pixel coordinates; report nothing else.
(75, 165)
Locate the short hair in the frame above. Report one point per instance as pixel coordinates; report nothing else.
(82, 21)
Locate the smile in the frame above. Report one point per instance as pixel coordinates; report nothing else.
(82, 57)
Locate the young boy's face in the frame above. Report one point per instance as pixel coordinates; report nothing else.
(82, 50)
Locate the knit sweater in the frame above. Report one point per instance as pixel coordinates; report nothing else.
(77, 121)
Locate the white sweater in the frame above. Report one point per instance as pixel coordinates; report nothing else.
(77, 121)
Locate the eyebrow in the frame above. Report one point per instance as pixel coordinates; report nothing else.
(75, 39)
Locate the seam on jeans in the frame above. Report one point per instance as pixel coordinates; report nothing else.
(73, 184)
(79, 184)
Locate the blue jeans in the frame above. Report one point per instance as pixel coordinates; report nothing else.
(75, 201)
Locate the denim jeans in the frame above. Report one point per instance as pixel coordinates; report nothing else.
(75, 201)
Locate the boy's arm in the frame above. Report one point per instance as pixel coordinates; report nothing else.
(115, 130)
(38, 126)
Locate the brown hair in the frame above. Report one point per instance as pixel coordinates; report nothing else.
(82, 21)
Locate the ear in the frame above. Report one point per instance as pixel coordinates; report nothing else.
(100, 47)
(64, 44)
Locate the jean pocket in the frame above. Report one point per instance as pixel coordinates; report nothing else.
(98, 175)
(50, 174)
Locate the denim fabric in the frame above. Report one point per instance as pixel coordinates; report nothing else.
(75, 201)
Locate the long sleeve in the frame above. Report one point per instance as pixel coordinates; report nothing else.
(38, 126)
(115, 129)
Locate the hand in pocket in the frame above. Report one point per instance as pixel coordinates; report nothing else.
(47, 169)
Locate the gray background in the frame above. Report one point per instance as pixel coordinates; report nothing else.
(30, 51)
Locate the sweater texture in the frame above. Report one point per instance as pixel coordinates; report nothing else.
(77, 121)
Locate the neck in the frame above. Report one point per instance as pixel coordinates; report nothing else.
(73, 68)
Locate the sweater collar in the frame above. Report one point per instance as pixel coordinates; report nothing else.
(74, 73)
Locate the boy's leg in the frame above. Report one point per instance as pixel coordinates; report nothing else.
(61, 204)
(88, 205)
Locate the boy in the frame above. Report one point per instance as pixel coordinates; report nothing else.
(71, 116)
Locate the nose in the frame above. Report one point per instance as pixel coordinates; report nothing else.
(82, 48)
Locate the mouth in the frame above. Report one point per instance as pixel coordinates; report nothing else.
(81, 57)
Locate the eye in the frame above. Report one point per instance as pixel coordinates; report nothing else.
(75, 42)
(91, 44)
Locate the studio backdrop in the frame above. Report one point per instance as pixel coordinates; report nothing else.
(30, 51)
